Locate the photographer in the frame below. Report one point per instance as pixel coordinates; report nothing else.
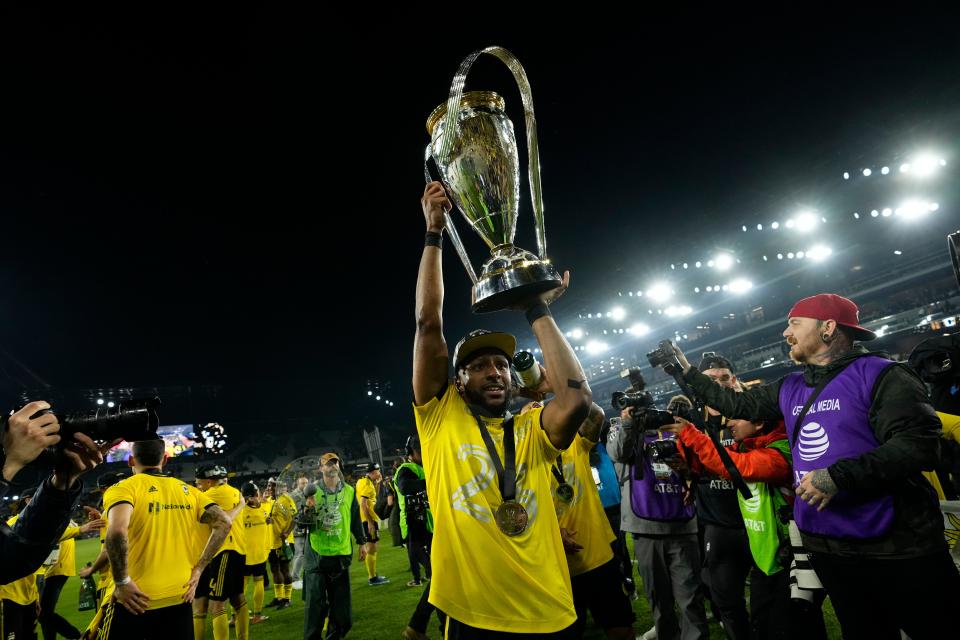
(331, 515)
(726, 549)
(761, 454)
(861, 431)
(416, 525)
(25, 435)
(655, 508)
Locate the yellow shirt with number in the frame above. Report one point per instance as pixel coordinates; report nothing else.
(162, 534)
(584, 513)
(367, 488)
(257, 532)
(22, 591)
(281, 513)
(483, 577)
(228, 498)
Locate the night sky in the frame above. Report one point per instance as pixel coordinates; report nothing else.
(234, 200)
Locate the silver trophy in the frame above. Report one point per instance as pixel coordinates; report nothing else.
(475, 152)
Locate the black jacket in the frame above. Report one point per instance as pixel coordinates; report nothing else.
(25, 546)
(908, 430)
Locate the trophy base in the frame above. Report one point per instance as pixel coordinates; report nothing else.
(502, 286)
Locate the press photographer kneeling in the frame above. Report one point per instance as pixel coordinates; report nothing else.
(656, 508)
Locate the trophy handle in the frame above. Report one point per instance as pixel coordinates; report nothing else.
(533, 154)
(451, 229)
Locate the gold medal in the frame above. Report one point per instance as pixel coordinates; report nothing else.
(565, 492)
(511, 518)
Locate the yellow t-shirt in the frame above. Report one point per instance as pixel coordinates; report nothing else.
(584, 513)
(228, 498)
(366, 488)
(66, 564)
(951, 425)
(162, 533)
(22, 591)
(257, 533)
(281, 513)
(483, 577)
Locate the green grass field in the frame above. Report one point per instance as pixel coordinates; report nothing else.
(378, 612)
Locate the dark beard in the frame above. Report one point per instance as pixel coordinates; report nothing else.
(493, 411)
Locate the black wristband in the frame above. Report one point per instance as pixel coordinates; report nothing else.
(433, 239)
(537, 311)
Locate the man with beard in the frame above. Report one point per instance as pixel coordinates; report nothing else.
(499, 568)
(861, 430)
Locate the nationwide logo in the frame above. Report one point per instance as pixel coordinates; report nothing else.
(813, 441)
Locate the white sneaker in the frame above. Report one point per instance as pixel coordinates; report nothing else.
(649, 635)
(298, 584)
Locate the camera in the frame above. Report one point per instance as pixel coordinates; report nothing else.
(662, 451)
(665, 356)
(131, 421)
(416, 506)
(634, 397)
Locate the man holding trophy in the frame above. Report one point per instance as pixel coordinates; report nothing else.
(498, 559)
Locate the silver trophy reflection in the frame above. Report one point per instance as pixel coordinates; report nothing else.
(475, 151)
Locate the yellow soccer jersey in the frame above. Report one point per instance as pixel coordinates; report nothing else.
(258, 533)
(66, 564)
(366, 489)
(584, 513)
(228, 498)
(483, 577)
(281, 512)
(22, 591)
(162, 532)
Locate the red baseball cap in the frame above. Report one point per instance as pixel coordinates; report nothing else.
(830, 306)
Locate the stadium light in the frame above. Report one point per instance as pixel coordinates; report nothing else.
(618, 314)
(740, 285)
(660, 292)
(819, 252)
(723, 261)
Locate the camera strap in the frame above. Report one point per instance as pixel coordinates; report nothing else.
(735, 476)
(506, 470)
(813, 398)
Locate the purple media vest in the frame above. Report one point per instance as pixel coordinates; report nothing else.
(836, 427)
(659, 495)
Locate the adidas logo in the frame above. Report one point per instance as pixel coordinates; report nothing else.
(151, 489)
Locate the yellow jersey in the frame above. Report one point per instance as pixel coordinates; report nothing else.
(228, 498)
(483, 577)
(281, 513)
(584, 513)
(257, 533)
(366, 488)
(105, 580)
(66, 564)
(162, 533)
(22, 591)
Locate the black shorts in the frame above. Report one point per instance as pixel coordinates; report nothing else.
(277, 556)
(600, 591)
(17, 621)
(373, 531)
(256, 570)
(223, 577)
(458, 631)
(175, 621)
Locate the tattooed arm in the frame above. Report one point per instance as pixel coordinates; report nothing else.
(219, 524)
(590, 429)
(126, 592)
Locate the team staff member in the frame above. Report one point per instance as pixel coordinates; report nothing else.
(367, 489)
(498, 562)
(223, 579)
(151, 542)
(257, 533)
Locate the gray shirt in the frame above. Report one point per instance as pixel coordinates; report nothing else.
(628, 521)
